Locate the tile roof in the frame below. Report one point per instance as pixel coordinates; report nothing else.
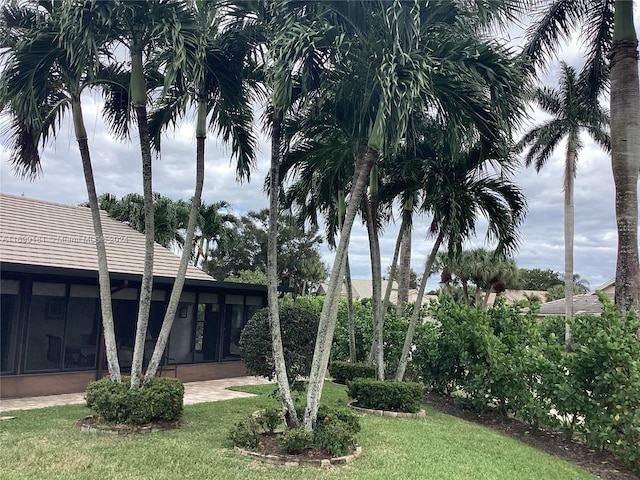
(40, 233)
(585, 303)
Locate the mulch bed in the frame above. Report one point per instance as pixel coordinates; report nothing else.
(601, 464)
(270, 445)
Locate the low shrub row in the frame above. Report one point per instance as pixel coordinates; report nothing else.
(503, 358)
(387, 395)
(343, 372)
(159, 399)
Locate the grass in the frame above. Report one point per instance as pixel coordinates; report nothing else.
(46, 444)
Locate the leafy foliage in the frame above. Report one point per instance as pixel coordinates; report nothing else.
(504, 359)
(296, 440)
(159, 399)
(299, 327)
(386, 395)
(342, 372)
(299, 262)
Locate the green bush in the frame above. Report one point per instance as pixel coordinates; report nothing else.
(246, 433)
(296, 440)
(345, 371)
(335, 430)
(271, 418)
(299, 328)
(159, 399)
(335, 437)
(605, 368)
(396, 396)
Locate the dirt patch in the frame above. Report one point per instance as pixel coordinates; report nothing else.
(601, 464)
(95, 424)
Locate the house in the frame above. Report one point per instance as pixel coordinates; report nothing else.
(584, 303)
(50, 321)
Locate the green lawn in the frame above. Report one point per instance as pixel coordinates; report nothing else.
(46, 444)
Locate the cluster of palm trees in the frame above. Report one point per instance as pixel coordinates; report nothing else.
(369, 104)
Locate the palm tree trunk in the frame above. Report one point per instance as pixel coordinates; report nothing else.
(138, 96)
(393, 269)
(288, 408)
(104, 281)
(625, 153)
(365, 159)
(353, 357)
(176, 291)
(569, 176)
(376, 282)
(405, 261)
(413, 322)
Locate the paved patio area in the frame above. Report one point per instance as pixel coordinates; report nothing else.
(194, 392)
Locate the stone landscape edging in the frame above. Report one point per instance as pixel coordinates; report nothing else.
(388, 413)
(297, 462)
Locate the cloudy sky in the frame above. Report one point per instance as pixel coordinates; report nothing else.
(117, 171)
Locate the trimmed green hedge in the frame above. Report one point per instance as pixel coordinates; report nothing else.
(387, 395)
(342, 372)
(159, 399)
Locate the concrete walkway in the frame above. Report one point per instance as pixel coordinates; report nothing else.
(194, 392)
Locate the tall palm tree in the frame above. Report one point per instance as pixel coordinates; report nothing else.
(625, 153)
(394, 57)
(40, 83)
(212, 79)
(573, 111)
(459, 188)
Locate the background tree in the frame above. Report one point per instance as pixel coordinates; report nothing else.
(538, 279)
(573, 111)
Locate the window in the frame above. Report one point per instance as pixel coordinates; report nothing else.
(181, 334)
(9, 310)
(207, 332)
(233, 325)
(81, 334)
(45, 333)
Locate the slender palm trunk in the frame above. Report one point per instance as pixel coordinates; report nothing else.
(569, 177)
(487, 294)
(625, 153)
(413, 322)
(288, 408)
(178, 284)
(138, 96)
(465, 292)
(103, 269)
(376, 283)
(353, 356)
(365, 160)
(393, 269)
(405, 262)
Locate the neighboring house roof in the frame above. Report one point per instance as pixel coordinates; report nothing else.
(37, 233)
(363, 288)
(585, 303)
(512, 296)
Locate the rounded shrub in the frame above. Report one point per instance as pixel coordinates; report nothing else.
(159, 399)
(386, 395)
(342, 372)
(298, 326)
